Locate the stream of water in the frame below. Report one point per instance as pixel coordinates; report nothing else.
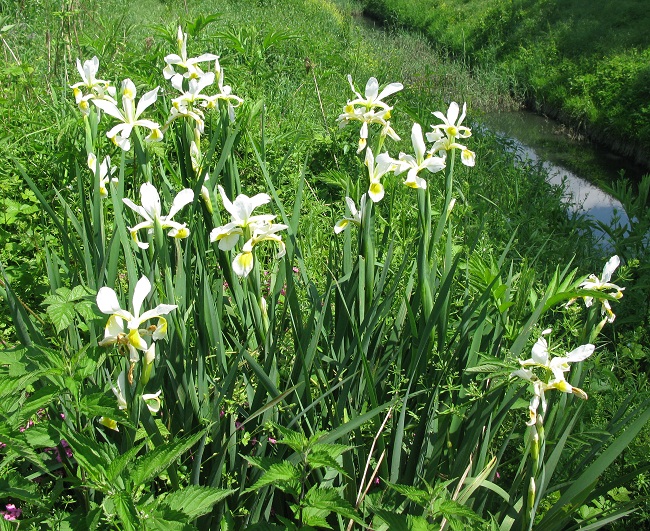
(538, 139)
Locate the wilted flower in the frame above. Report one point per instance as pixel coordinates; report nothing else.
(151, 212)
(153, 401)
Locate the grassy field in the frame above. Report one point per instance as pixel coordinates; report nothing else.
(583, 62)
(319, 363)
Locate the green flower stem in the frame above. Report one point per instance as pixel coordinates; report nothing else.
(367, 248)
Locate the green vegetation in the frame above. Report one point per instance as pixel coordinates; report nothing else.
(584, 62)
(238, 321)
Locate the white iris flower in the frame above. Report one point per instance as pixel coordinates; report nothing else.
(151, 212)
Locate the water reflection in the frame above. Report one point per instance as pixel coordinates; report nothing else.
(537, 139)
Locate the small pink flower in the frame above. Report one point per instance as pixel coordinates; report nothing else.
(12, 512)
(376, 481)
(272, 440)
(296, 270)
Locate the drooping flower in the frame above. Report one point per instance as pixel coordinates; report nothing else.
(355, 215)
(152, 400)
(129, 116)
(132, 335)
(151, 212)
(415, 164)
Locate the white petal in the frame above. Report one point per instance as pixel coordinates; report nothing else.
(418, 142)
(184, 197)
(610, 267)
(390, 89)
(540, 352)
(372, 88)
(142, 289)
(107, 301)
(150, 200)
(581, 353)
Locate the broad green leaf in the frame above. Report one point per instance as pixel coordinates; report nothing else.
(195, 501)
(284, 472)
(153, 463)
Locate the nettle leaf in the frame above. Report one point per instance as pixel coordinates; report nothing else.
(125, 510)
(421, 497)
(329, 499)
(317, 459)
(38, 400)
(451, 509)
(15, 485)
(282, 475)
(42, 435)
(92, 456)
(402, 522)
(153, 463)
(116, 466)
(261, 462)
(294, 440)
(195, 501)
(169, 521)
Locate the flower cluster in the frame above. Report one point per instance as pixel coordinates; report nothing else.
(184, 74)
(11, 512)
(371, 109)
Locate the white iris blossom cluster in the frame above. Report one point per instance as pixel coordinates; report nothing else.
(371, 109)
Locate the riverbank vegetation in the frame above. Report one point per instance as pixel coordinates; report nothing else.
(583, 62)
(223, 308)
